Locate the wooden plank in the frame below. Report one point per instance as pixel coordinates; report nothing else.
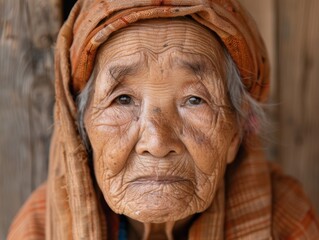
(28, 31)
(299, 85)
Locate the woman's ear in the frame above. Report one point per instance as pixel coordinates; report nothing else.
(233, 148)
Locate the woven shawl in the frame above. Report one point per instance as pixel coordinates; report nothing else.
(243, 206)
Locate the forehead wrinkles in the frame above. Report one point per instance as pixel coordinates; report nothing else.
(148, 40)
(160, 35)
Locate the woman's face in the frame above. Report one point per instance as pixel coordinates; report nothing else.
(159, 120)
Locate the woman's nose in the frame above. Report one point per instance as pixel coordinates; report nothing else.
(158, 138)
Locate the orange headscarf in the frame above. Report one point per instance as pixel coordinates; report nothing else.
(93, 22)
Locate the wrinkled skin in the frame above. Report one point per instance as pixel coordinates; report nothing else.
(160, 122)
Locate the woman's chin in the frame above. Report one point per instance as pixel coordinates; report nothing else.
(159, 203)
(158, 210)
(157, 215)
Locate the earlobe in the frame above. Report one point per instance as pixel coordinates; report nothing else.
(233, 148)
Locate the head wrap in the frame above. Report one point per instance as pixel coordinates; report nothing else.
(73, 207)
(94, 21)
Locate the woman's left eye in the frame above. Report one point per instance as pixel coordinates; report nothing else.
(193, 100)
(124, 99)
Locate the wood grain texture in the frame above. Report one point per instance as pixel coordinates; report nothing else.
(298, 59)
(27, 33)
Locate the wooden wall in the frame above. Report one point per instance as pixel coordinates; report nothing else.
(298, 71)
(28, 30)
(291, 31)
(27, 34)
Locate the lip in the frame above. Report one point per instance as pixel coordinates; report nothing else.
(160, 179)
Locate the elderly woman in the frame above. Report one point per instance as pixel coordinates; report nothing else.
(157, 128)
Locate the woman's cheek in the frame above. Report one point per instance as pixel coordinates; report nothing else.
(114, 116)
(196, 135)
(113, 137)
(201, 147)
(201, 116)
(205, 139)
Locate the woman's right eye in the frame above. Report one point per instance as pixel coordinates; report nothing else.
(124, 100)
(193, 100)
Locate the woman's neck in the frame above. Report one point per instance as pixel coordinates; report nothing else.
(159, 231)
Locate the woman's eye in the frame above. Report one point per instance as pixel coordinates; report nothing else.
(124, 100)
(195, 100)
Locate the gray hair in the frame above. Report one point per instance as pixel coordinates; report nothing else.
(250, 114)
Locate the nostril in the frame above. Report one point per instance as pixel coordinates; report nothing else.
(172, 152)
(156, 149)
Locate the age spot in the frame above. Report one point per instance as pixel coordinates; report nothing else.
(157, 110)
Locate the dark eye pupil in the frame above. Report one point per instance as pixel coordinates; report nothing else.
(195, 100)
(124, 99)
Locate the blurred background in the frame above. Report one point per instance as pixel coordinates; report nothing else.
(28, 31)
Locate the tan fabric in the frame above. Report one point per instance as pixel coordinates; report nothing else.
(244, 209)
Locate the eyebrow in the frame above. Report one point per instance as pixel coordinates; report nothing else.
(119, 71)
(197, 66)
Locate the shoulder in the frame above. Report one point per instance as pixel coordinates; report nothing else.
(293, 214)
(30, 220)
